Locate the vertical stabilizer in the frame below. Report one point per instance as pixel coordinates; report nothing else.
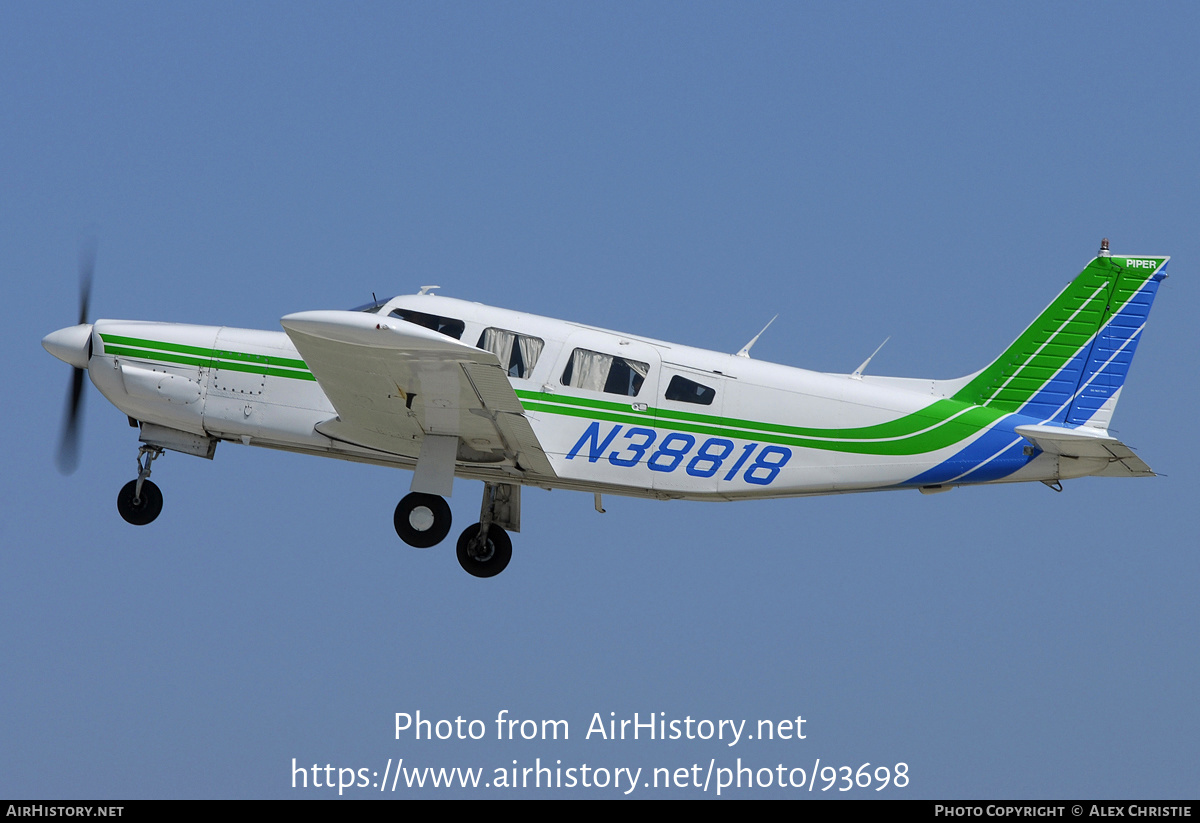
(1069, 365)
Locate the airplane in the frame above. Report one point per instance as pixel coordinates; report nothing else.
(449, 388)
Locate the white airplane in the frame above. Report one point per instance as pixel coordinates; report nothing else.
(450, 388)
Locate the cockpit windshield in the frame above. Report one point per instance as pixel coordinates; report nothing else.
(442, 325)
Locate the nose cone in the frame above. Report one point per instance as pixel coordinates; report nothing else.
(71, 345)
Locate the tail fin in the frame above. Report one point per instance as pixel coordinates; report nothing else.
(1069, 365)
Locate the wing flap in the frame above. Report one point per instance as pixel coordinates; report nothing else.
(516, 429)
(393, 383)
(492, 387)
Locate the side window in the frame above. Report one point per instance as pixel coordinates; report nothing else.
(603, 372)
(443, 325)
(682, 390)
(518, 353)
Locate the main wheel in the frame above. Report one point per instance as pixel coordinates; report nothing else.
(491, 558)
(422, 520)
(142, 510)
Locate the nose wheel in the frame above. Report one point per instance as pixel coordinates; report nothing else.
(140, 501)
(139, 509)
(422, 520)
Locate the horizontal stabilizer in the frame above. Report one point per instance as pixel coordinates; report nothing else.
(1082, 442)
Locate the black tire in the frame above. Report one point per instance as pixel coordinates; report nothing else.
(144, 510)
(499, 552)
(432, 519)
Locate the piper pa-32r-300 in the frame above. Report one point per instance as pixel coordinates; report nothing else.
(450, 388)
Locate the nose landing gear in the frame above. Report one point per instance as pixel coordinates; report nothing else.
(140, 501)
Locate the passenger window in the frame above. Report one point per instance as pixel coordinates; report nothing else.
(518, 353)
(602, 372)
(682, 390)
(442, 325)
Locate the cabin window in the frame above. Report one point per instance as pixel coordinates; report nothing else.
(602, 372)
(442, 325)
(518, 353)
(682, 390)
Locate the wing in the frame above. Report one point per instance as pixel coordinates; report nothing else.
(406, 390)
(1122, 462)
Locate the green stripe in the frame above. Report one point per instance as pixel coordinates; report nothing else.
(163, 352)
(164, 358)
(221, 354)
(895, 428)
(932, 415)
(923, 431)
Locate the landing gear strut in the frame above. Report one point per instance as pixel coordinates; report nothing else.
(422, 520)
(140, 501)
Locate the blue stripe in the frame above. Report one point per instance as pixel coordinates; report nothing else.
(967, 462)
(1013, 458)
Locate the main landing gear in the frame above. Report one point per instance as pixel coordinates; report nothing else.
(422, 520)
(484, 548)
(140, 501)
(484, 557)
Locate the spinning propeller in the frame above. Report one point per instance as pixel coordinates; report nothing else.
(73, 345)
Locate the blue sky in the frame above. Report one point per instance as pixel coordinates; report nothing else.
(933, 172)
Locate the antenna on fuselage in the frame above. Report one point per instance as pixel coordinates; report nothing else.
(745, 350)
(427, 289)
(857, 373)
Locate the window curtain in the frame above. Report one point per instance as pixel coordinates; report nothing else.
(499, 343)
(589, 369)
(531, 350)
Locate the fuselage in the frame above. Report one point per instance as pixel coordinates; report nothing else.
(614, 413)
